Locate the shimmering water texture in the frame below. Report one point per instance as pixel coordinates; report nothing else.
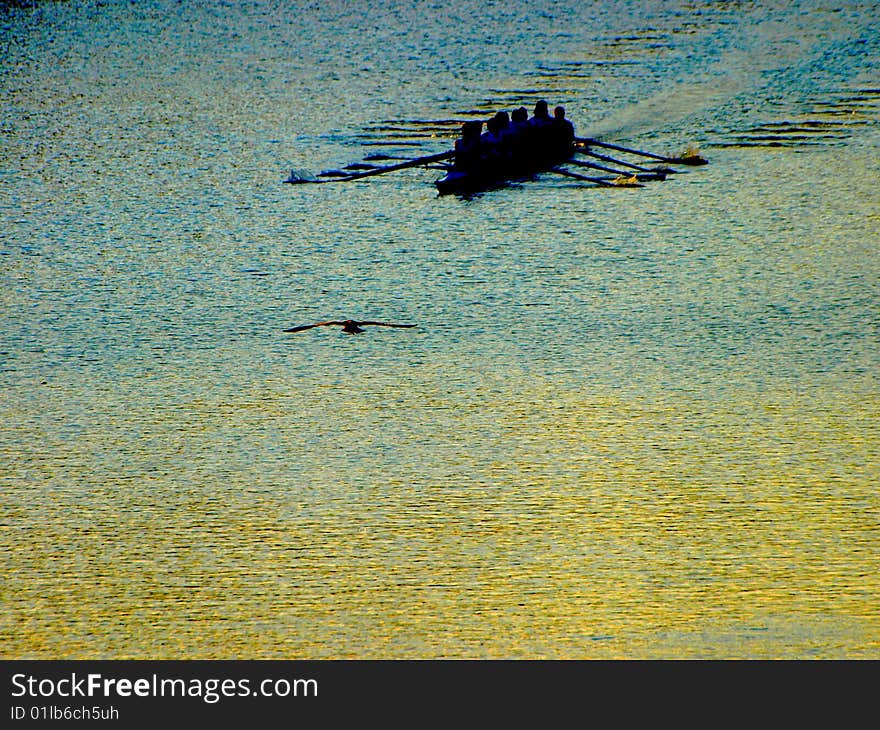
(628, 424)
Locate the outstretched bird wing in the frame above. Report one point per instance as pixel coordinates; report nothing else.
(384, 324)
(309, 326)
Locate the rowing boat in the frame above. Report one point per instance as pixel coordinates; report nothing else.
(475, 173)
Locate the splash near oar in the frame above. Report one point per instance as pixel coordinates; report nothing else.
(301, 176)
(692, 156)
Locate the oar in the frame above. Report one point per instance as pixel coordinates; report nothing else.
(416, 162)
(597, 180)
(298, 176)
(689, 160)
(376, 156)
(334, 173)
(356, 166)
(652, 175)
(347, 171)
(623, 163)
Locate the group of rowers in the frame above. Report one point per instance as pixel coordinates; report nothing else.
(515, 140)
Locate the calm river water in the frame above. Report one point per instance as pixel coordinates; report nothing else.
(630, 423)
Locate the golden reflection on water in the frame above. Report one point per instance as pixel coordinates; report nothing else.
(574, 527)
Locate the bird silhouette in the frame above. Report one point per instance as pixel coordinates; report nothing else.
(348, 325)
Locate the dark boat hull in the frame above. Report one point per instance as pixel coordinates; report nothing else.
(462, 182)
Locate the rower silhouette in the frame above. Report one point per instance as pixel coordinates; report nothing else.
(349, 326)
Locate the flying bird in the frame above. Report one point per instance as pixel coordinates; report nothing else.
(348, 325)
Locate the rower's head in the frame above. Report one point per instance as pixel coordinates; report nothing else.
(519, 115)
(559, 112)
(541, 109)
(471, 129)
(502, 119)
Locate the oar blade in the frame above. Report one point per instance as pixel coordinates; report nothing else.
(693, 160)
